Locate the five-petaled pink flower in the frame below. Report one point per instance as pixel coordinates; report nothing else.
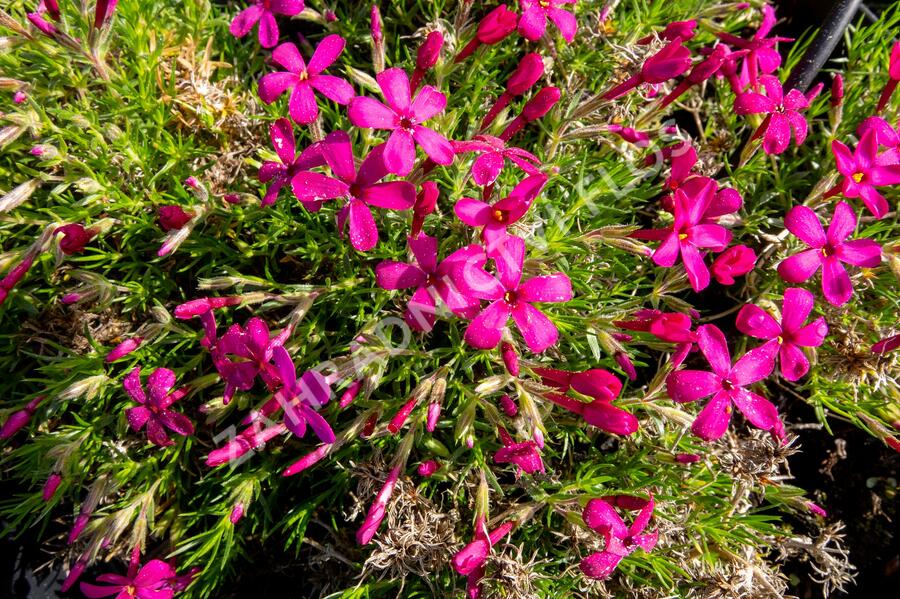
(863, 171)
(599, 384)
(690, 233)
(302, 398)
(242, 353)
(726, 383)
(431, 280)
(494, 219)
(510, 297)
(403, 116)
(782, 114)
(290, 163)
(533, 22)
(621, 540)
(155, 412)
(263, 12)
(362, 188)
(735, 261)
(789, 335)
(303, 79)
(827, 251)
(493, 153)
(153, 581)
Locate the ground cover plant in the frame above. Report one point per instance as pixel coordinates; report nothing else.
(441, 298)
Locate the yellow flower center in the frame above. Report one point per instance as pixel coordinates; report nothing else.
(858, 177)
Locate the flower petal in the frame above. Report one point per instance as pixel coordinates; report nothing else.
(812, 335)
(394, 84)
(538, 331)
(796, 305)
(803, 222)
(425, 249)
(755, 365)
(338, 153)
(363, 231)
(859, 252)
(486, 168)
(713, 345)
(371, 114)
(532, 23)
(245, 20)
(712, 421)
(309, 186)
(288, 56)
(132, 384)
(268, 30)
(326, 53)
(485, 330)
(400, 153)
(550, 288)
(435, 145)
(428, 103)
(794, 364)
(599, 565)
(273, 85)
(302, 105)
(334, 88)
(756, 322)
(836, 285)
(757, 409)
(800, 267)
(398, 275)
(690, 385)
(474, 213)
(843, 223)
(393, 195)
(420, 311)
(603, 519)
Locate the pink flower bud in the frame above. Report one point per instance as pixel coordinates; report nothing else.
(429, 51)
(426, 202)
(74, 574)
(816, 509)
(623, 337)
(77, 528)
(52, 8)
(308, 460)
(350, 394)
(428, 468)
(75, 238)
(470, 441)
(330, 16)
(15, 275)
(814, 91)
(19, 97)
(123, 349)
(19, 419)
(71, 298)
(434, 414)
(683, 30)
(232, 198)
(192, 182)
(378, 509)
(375, 25)
(369, 426)
(541, 103)
(496, 25)
(886, 345)
(248, 440)
(42, 24)
(736, 261)
(625, 364)
(237, 512)
(36, 151)
(508, 406)
(837, 90)
(510, 358)
(103, 11)
(400, 417)
(529, 71)
(203, 305)
(687, 458)
(50, 486)
(173, 217)
(538, 437)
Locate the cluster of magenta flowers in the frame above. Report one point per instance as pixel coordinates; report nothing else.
(484, 283)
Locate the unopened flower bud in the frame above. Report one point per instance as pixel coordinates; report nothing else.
(625, 364)
(510, 358)
(509, 406)
(428, 468)
(429, 51)
(308, 460)
(74, 574)
(19, 97)
(378, 509)
(80, 522)
(434, 414)
(237, 512)
(50, 486)
(402, 414)
(816, 509)
(837, 90)
(541, 103)
(350, 393)
(173, 217)
(687, 458)
(123, 349)
(75, 238)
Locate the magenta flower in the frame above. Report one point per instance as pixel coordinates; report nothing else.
(726, 383)
(761, 55)
(495, 218)
(533, 22)
(378, 509)
(155, 412)
(621, 540)
(75, 238)
(431, 280)
(494, 27)
(493, 153)
(524, 455)
(510, 297)
(736, 261)
(827, 251)
(242, 354)
(701, 71)
(173, 217)
(403, 116)
(302, 398)
(123, 349)
(151, 582)
(782, 114)
(863, 172)
(672, 327)
(103, 11)
(305, 80)
(670, 62)
(599, 384)
(888, 344)
(290, 163)
(470, 560)
(690, 233)
(18, 420)
(362, 188)
(789, 335)
(263, 12)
